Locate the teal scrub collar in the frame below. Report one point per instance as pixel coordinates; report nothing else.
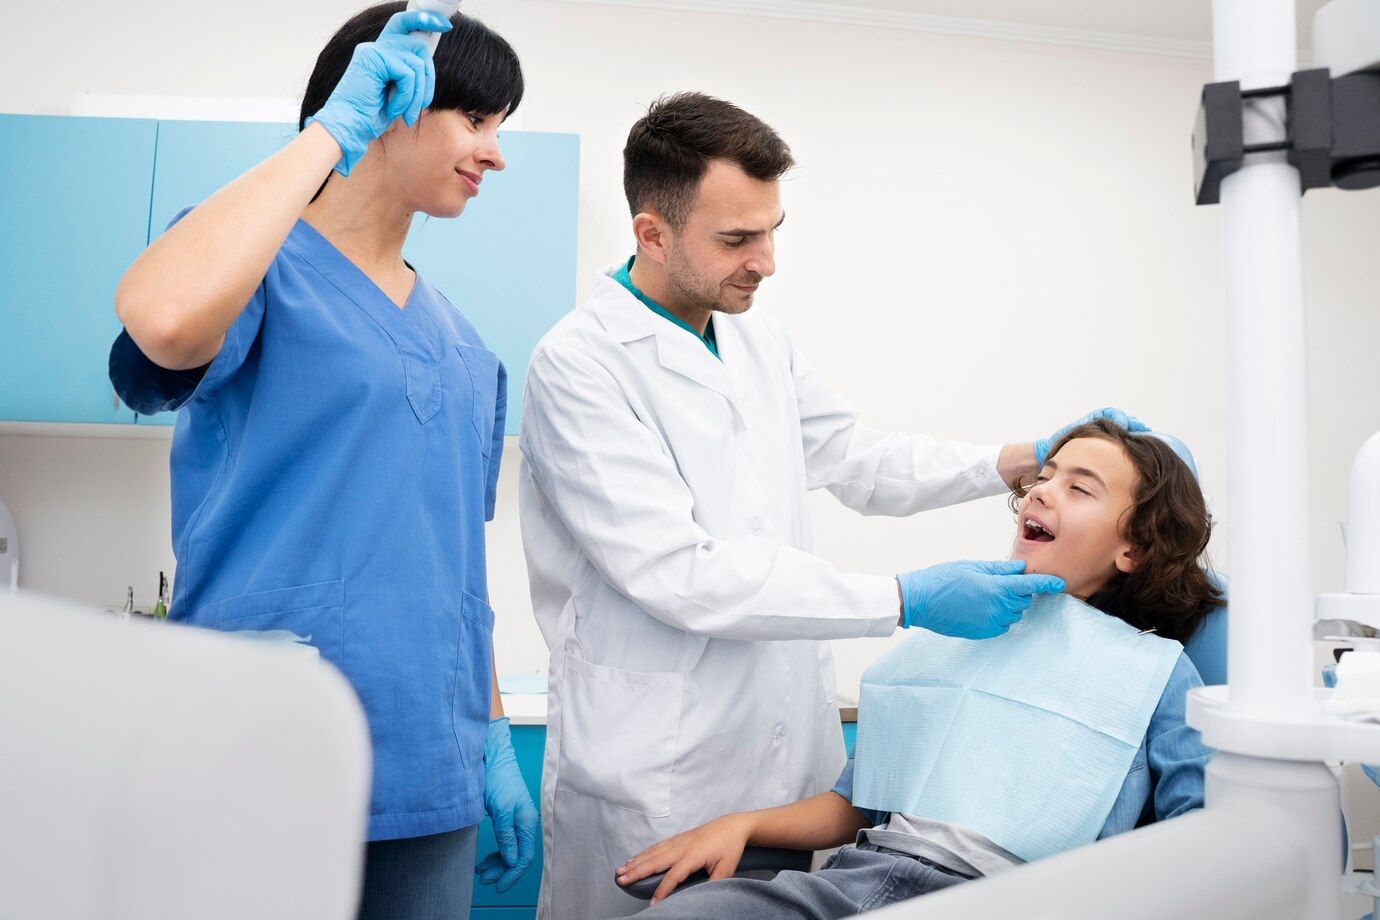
(624, 277)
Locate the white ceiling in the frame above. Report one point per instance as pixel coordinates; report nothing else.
(1174, 20)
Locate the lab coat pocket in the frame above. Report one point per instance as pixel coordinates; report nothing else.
(619, 732)
(312, 611)
(471, 702)
(488, 385)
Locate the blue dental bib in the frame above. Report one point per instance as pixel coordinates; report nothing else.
(1026, 738)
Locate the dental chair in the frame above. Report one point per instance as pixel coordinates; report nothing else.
(1207, 649)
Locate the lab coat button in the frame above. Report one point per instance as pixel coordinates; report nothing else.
(757, 525)
(776, 738)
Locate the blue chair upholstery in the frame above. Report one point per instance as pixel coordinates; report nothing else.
(1207, 648)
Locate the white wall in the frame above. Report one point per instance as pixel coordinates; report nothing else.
(985, 239)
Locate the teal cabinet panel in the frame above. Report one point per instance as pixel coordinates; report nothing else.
(850, 735)
(75, 195)
(195, 158)
(503, 913)
(529, 743)
(508, 263)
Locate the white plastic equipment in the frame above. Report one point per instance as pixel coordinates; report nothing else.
(441, 8)
(1360, 602)
(163, 772)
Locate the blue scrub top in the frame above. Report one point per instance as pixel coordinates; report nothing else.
(332, 470)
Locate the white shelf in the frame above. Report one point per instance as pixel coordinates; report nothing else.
(148, 432)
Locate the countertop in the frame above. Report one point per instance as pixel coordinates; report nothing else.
(530, 709)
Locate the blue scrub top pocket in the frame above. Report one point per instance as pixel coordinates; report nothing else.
(486, 378)
(313, 610)
(472, 699)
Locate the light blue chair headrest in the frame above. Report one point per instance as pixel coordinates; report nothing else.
(1180, 448)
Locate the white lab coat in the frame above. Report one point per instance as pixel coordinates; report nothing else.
(664, 518)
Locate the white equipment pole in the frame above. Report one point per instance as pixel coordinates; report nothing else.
(1269, 657)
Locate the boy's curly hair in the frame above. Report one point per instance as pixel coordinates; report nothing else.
(1170, 591)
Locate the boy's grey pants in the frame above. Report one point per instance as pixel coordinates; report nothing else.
(855, 879)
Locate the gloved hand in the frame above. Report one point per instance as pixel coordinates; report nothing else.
(361, 107)
(971, 600)
(1129, 422)
(511, 810)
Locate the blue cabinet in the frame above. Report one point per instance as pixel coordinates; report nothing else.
(76, 201)
(83, 196)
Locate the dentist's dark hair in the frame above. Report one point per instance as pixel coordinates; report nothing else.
(1170, 590)
(670, 148)
(476, 69)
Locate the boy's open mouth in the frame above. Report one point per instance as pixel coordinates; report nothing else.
(1036, 532)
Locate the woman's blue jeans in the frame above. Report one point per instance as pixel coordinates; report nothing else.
(419, 878)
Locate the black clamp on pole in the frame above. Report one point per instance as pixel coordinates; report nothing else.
(1332, 132)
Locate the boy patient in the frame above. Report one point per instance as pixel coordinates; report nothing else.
(1120, 517)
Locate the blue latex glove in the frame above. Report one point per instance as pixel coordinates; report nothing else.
(510, 808)
(971, 600)
(391, 77)
(1129, 422)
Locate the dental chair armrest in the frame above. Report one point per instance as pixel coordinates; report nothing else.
(757, 862)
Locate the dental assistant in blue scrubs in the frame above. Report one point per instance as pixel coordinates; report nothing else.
(340, 427)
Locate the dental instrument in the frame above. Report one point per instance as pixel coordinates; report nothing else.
(440, 8)
(160, 609)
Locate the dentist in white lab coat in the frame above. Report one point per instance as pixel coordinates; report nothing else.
(669, 437)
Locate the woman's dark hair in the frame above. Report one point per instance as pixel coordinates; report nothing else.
(476, 69)
(670, 148)
(1170, 590)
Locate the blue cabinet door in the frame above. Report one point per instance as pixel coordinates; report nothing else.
(75, 195)
(508, 262)
(195, 158)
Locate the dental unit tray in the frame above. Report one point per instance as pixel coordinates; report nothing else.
(1313, 734)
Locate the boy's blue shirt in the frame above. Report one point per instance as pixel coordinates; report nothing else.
(1166, 777)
